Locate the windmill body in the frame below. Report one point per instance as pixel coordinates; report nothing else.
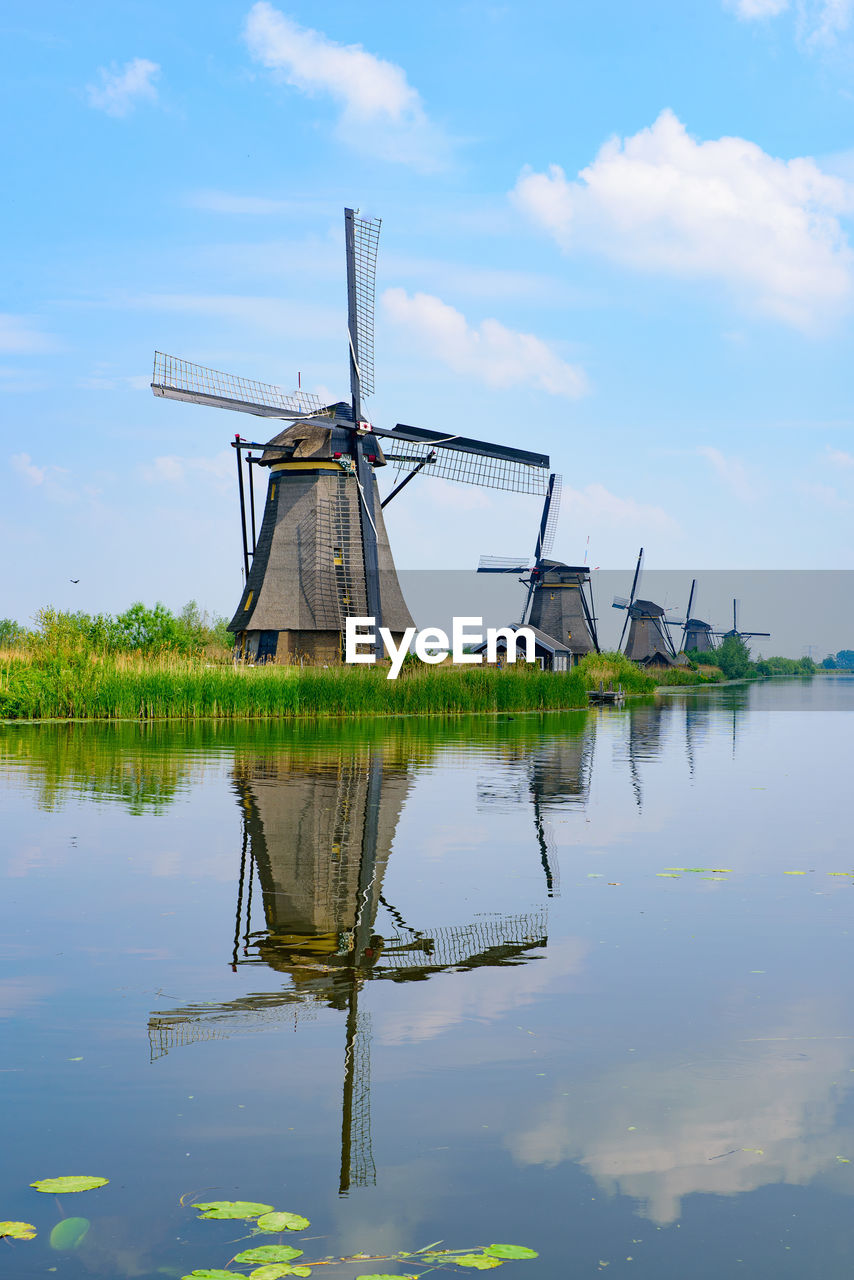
(649, 642)
(699, 636)
(559, 603)
(323, 552)
(307, 573)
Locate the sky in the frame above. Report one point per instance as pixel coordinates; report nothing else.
(619, 233)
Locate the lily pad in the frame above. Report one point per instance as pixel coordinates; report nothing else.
(269, 1253)
(273, 1272)
(232, 1209)
(212, 1275)
(18, 1230)
(63, 1186)
(282, 1222)
(510, 1251)
(69, 1233)
(480, 1261)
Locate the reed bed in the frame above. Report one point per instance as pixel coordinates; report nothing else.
(169, 687)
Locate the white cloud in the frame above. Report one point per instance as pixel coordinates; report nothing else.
(122, 88)
(825, 496)
(595, 507)
(731, 471)
(821, 22)
(229, 202)
(172, 469)
(839, 458)
(750, 9)
(381, 112)
(24, 465)
(498, 356)
(18, 335)
(722, 210)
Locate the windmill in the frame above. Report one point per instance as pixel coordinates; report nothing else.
(559, 601)
(322, 554)
(649, 641)
(317, 834)
(696, 634)
(734, 631)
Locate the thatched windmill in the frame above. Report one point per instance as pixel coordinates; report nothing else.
(649, 642)
(559, 600)
(322, 554)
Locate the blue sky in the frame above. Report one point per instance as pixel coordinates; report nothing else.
(616, 232)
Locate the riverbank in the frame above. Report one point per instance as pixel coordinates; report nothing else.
(169, 687)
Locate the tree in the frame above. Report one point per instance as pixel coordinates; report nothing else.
(845, 659)
(733, 658)
(11, 633)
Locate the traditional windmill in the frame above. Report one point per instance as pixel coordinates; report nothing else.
(734, 631)
(649, 641)
(695, 634)
(559, 602)
(318, 829)
(322, 553)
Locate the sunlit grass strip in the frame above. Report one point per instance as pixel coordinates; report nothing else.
(117, 688)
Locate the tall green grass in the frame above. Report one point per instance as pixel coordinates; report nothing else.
(121, 687)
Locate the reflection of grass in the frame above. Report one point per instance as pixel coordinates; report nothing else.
(114, 687)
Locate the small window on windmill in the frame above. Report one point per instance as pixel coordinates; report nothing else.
(552, 596)
(272, 492)
(248, 601)
(337, 555)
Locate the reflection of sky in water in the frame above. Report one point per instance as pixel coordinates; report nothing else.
(662, 1044)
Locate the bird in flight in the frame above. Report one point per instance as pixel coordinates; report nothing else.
(73, 579)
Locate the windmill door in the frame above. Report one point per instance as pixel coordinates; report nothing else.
(267, 644)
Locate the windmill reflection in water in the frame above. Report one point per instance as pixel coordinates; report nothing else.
(318, 829)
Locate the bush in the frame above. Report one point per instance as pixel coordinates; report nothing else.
(11, 633)
(733, 657)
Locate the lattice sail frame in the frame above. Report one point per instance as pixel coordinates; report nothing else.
(181, 379)
(552, 519)
(366, 233)
(466, 467)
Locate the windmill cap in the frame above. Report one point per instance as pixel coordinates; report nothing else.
(646, 609)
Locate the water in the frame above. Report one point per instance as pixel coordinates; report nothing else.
(421, 982)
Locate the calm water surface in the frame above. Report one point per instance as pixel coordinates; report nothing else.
(578, 982)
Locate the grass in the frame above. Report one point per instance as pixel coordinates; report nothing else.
(74, 685)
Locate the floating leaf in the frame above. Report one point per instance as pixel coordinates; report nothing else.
(63, 1186)
(69, 1233)
(282, 1222)
(273, 1272)
(269, 1253)
(232, 1209)
(17, 1230)
(510, 1251)
(212, 1275)
(479, 1261)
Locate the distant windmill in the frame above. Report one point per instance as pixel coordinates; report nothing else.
(322, 554)
(734, 631)
(649, 641)
(559, 600)
(696, 634)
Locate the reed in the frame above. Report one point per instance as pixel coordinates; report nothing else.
(167, 686)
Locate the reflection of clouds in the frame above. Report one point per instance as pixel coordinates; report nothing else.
(658, 1132)
(22, 995)
(486, 994)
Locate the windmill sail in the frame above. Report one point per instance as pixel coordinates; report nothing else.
(178, 379)
(469, 461)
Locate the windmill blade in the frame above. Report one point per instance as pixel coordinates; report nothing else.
(470, 461)
(178, 379)
(635, 581)
(361, 236)
(688, 612)
(502, 564)
(620, 602)
(551, 511)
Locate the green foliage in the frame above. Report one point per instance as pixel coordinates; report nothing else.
(69, 1234)
(733, 657)
(829, 663)
(232, 1209)
(510, 1251)
(17, 1230)
(785, 667)
(11, 633)
(64, 1186)
(845, 660)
